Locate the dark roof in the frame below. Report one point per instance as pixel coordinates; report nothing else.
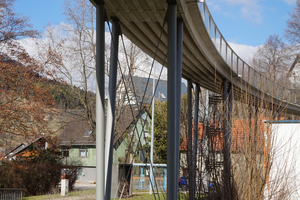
(161, 93)
(21, 147)
(74, 133)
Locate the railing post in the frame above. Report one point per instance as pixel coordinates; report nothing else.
(221, 45)
(248, 74)
(209, 21)
(226, 52)
(243, 72)
(237, 65)
(215, 35)
(231, 60)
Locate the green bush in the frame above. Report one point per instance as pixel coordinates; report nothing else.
(38, 172)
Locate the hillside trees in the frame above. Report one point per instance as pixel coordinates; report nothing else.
(74, 46)
(24, 101)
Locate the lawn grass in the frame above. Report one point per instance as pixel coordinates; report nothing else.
(56, 196)
(89, 195)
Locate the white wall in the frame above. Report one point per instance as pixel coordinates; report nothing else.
(284, 180)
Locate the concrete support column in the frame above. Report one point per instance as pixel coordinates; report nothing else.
(178, 90)
(172, 134)
(111, 105)
(100, 104)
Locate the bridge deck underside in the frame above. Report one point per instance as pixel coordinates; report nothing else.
(142, 21)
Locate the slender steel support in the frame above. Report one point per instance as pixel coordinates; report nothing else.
(151, 183)
(100, 107)
(195, 145)
(172, 164)
(111, 105)
(227, 138)
(229, 127)
(225, 124)
(274, 111)
(279, 112)
(190, 142)
(255, 127)
(178, 88)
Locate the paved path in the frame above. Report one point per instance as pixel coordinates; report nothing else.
(84, 186)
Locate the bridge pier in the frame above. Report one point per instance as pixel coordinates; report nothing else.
(100, 96)
(174, 95)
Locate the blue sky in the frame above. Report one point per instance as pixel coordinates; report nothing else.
(246, 22)
(41, 12)
(250, 22)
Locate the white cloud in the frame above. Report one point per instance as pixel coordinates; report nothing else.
(245, 52)
(249, 10)
(289, 2)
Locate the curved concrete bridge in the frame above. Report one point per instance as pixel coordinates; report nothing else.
(207, 58)
(184, 34)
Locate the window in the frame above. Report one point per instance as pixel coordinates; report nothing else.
(87, 134)
(65, 153)
(83, 152)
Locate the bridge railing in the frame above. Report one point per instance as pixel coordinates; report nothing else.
(240, 67)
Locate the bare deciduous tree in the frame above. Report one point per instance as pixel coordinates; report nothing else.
(73, 46)
(292, 32)
(273, 59)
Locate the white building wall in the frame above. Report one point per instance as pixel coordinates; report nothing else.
(284, 179)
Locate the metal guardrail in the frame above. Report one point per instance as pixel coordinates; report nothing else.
(240, 67)
(11, 194)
